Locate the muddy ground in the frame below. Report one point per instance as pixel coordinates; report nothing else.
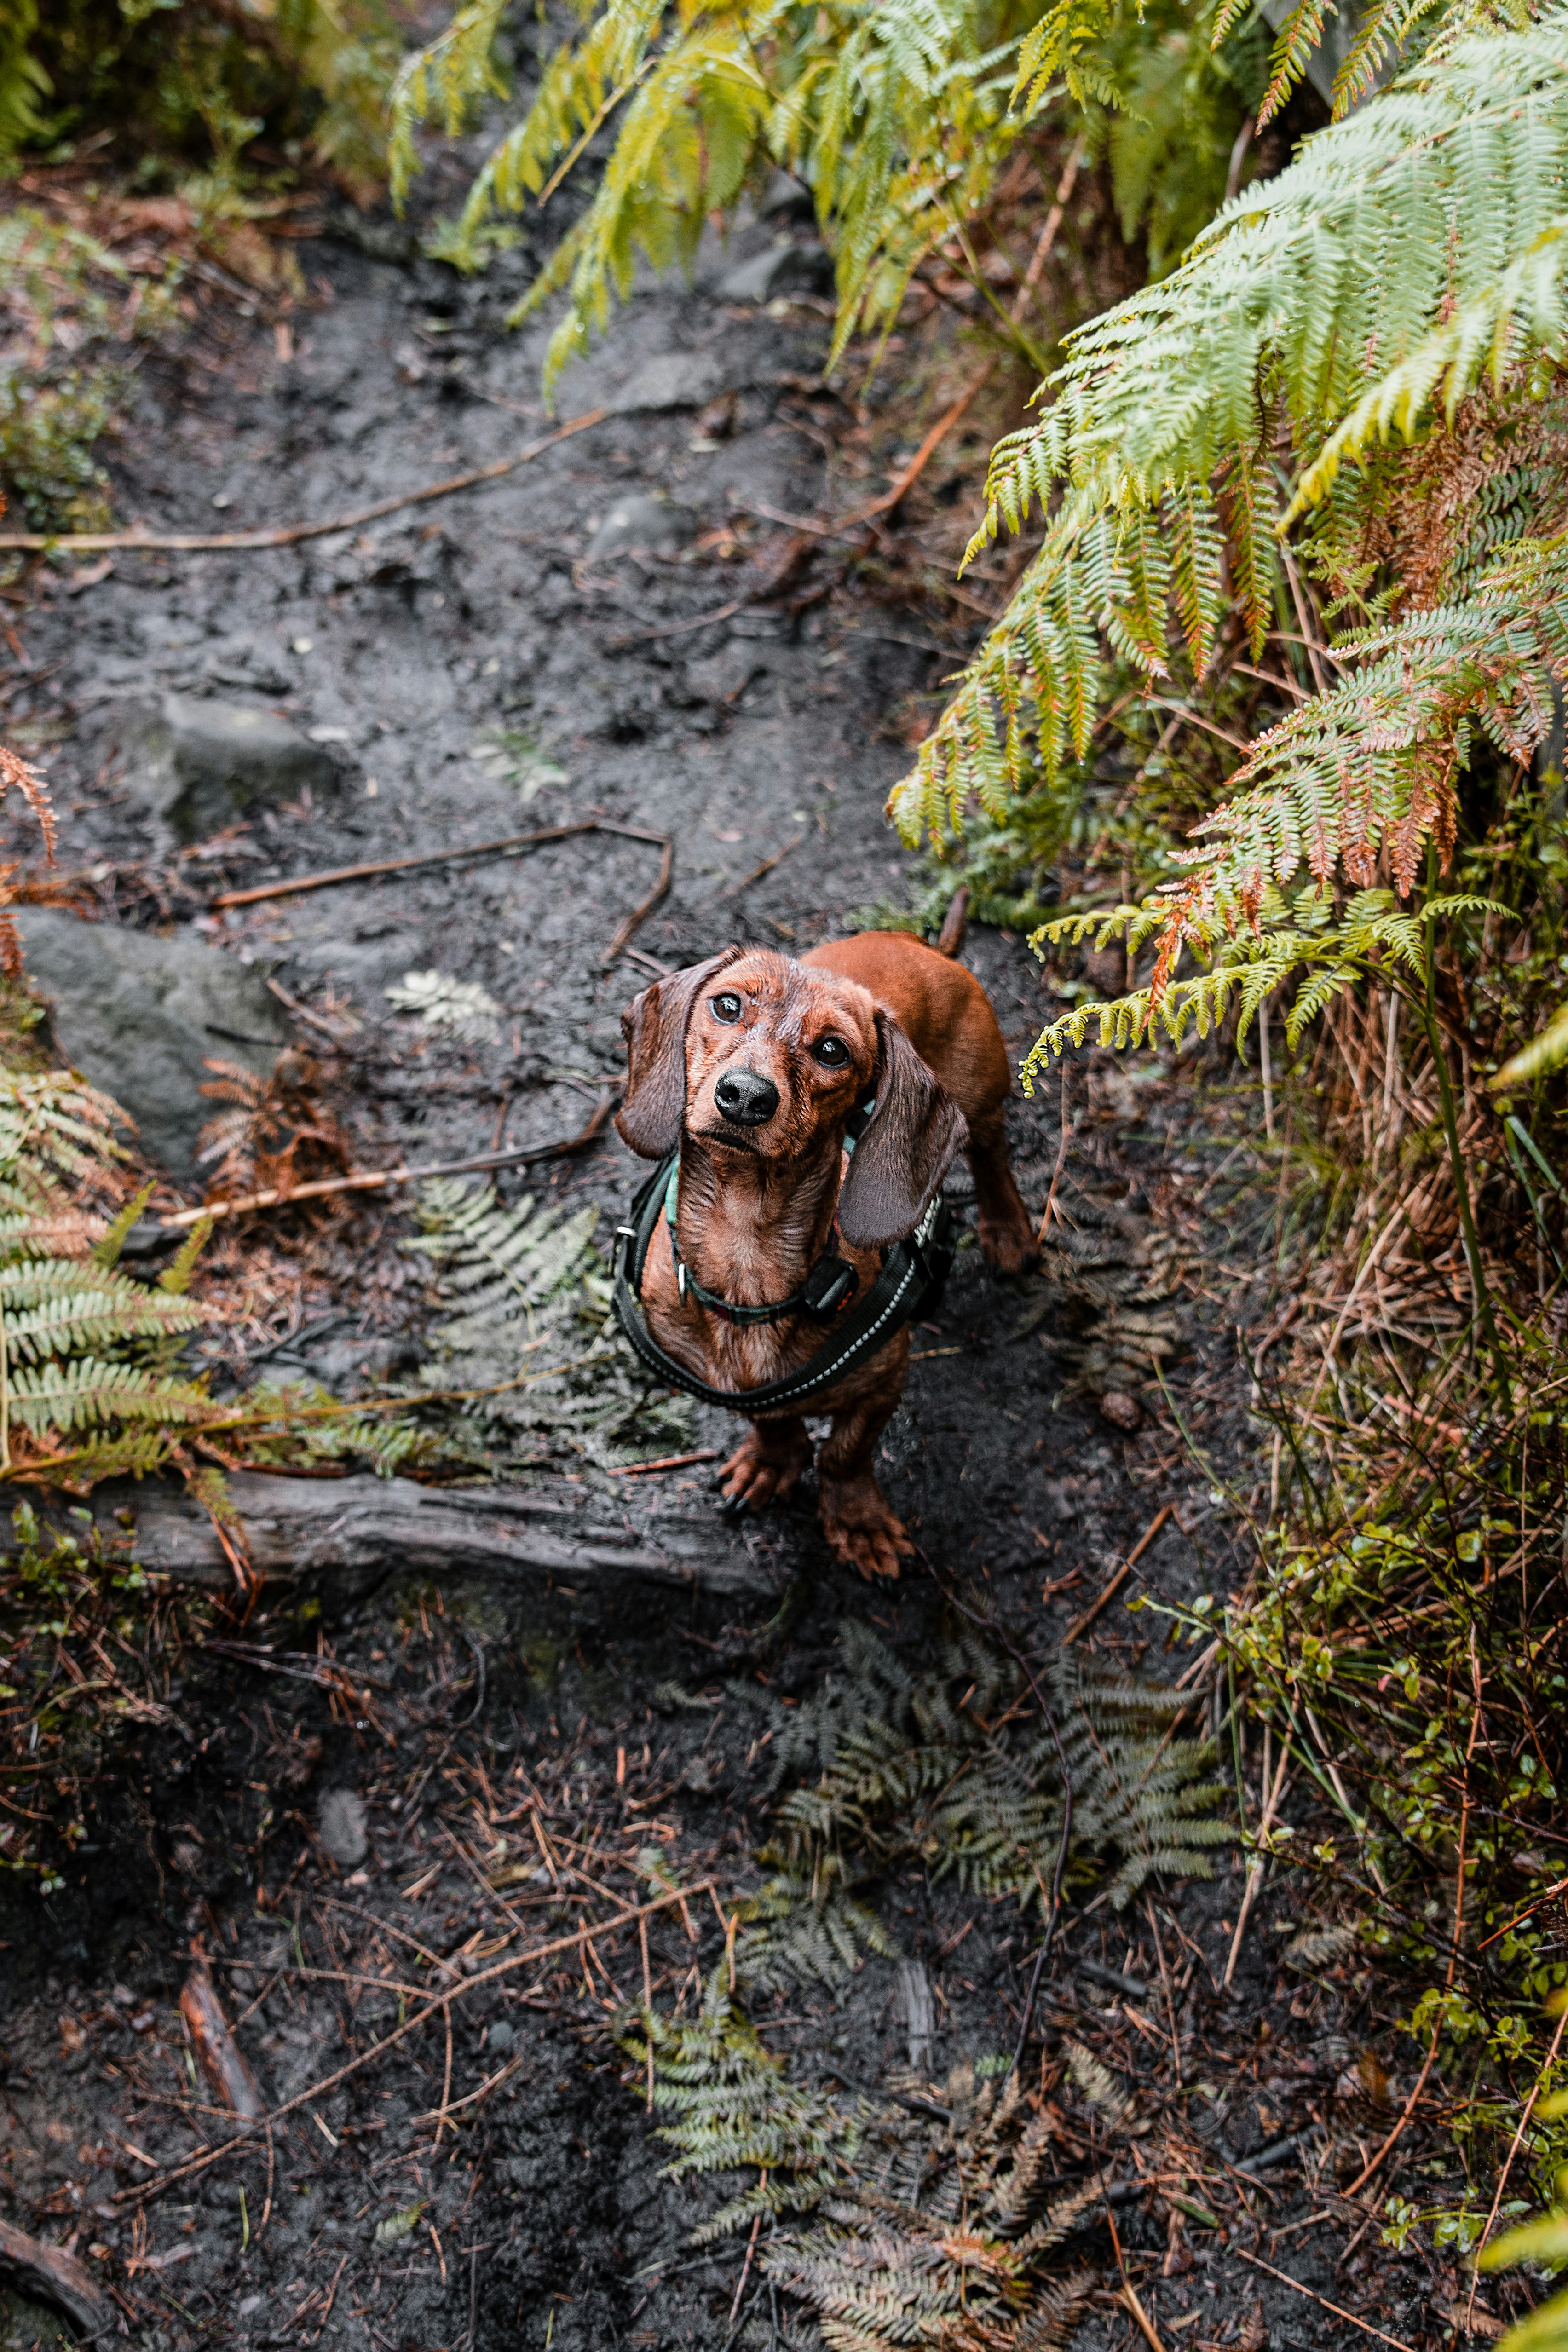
(480, 673)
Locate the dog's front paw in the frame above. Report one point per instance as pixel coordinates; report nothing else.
(763, 1465)
(862, 1528)
(1008, 1244)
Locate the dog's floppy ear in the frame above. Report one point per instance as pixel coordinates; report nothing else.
(654, 1028)
(904, 1154)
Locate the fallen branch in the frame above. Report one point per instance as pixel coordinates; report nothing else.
(365, 1526)
(439, 2002)
(333, 874)
(376, 1179)
(58, 2277)
(238, 542)
(1081, 1624)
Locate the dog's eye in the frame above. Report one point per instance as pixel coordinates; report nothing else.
(831, 1051)
(726, 1007)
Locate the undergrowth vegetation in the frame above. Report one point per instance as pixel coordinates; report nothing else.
(925, 2212)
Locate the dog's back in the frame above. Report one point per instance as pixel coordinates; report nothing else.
(942, 1009)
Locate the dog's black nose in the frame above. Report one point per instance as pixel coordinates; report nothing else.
(745, 1099)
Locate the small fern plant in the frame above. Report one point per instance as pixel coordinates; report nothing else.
(525, 1300)
(89, 1380)
(924, 2215)
(950, 1769)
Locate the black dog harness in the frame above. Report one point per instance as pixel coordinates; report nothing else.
(911, 1282)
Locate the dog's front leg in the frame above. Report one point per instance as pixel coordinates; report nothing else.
(1007, 1233)
(860, 1524)
(766, 1464)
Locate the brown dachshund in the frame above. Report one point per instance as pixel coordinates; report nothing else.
(751, 1063)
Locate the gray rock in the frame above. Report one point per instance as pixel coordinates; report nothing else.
(675, 380)
(202, 765)
(787, 198)
(783, 269)
(653, 525)
(723, 677)
(140, 1016)
(340, 1821)
(502, 2038)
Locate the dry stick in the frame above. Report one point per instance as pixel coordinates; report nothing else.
(368, 872)
(767, 866)
(1255, 1867)
(630, 924)
(1514, 2150)
(665, 1462)
(1081, 1624)
(992, 1625)
(289, 534)
(1364, 2174)
(1340, 2313)
(1045, 1213)
(441, 2001)
(1165, 1982)
(1047, 236)
(745, 2271)
(904, 481)
(377, 1179)
(647, 2005)
(1129, 2294)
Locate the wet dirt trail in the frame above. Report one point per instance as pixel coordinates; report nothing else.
(469, 1769)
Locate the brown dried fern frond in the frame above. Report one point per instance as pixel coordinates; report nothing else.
(278, 1135)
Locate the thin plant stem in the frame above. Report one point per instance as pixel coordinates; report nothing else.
(1455, 1157)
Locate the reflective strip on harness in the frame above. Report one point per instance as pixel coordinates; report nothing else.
(913, 1274)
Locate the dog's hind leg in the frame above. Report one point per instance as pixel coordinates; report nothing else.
(861, 1527)
(766, 1462)
(1006, 1236)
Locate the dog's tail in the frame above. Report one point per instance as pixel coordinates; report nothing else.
(954, 924)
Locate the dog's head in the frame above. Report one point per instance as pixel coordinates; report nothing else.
(753, 1055)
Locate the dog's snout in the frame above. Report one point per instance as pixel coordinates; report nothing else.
(746, 1099)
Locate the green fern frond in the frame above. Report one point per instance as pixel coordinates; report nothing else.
(1411, 250)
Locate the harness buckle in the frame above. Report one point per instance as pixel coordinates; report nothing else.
(831, 1283)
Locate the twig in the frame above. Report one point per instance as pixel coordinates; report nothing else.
(904, 481)
(1255, 1867)
(767, 866)
(1340, 2313)
(1129, 2294)
(378, 1179)
(142, 2191)
(990, 1624)
(368, 872)
(665, 1462)
(745, 2271)
(289, 534)
(1067, 1136)
(1081, 1624)
(1514, 2145)
(1165, 1986)
(628, 927)
(768, 585)
(1047, 236)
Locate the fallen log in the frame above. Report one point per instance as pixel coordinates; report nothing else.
(57, 2277)
(297, 1528)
